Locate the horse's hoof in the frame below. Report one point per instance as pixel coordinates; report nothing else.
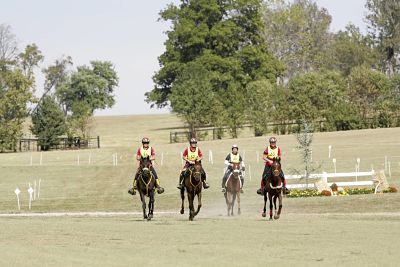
(239, 212)
(264, 214)
(271, 219)
(276, 217)
(182, 211)
(190, 218)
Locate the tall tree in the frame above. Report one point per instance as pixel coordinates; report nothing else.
(225, 37)
(48, 123)
(349, 49)
(8, 46)
(365, 87)
(384, 28)
(297, 33)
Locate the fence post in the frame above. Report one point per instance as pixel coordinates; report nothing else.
(98, 141)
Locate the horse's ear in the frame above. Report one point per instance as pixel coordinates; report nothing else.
(278, 159)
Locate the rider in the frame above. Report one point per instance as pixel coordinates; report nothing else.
(190, 155)
(231, 158)
(271, 152)
(146, 151)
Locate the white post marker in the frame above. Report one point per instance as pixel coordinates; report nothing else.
(250, 172)
(30, 191)
(77, 160)
(34, 191)
(90, 158)
(210, 156)
(31, 163)
(386, 165)
(258, 156)
(41, 158)
(334, 163)
(181, 158)
(390, 172)
(329, 151)
(17, 192)
(357, 168)
(38, 193)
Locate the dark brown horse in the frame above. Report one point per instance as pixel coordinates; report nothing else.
(232, 186)
(146, 185)
(193, 185)
(274, 189)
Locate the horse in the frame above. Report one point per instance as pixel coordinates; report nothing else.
(193, 185)
(274, 190)
(145, 186)
(232, 186)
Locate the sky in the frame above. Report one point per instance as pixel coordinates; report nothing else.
(125, 32)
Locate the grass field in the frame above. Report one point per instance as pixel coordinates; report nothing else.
(347, 230)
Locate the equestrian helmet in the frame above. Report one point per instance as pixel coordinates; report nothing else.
(145, 140)
(272, 140)
(235, 146)
(193, 140)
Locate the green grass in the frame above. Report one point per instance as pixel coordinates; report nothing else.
(346, 230)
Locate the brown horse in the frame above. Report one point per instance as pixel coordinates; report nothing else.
(146, 185)
(232, 186)
(274, 189)
(193, 185)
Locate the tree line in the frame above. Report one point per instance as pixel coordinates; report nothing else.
(230, 63)
(71, 95)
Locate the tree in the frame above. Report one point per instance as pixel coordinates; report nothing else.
(192, 96)
(8, 46)
(297, 33)
(384, 29)
(349, 49)
(224, 37)
(365, 87)
(48, 123)
(83, 91)
(312, 95)
(15, 93)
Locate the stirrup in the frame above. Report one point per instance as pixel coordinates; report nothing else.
(223, 190)
(180, 186)
(132, 191)
(259, 191)
(160, 190)
(205, 185)
(241, 191)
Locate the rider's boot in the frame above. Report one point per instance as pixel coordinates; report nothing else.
(180, 185)
(260, 190)
(132, 190)
(160, 190)
(223, 184)
(286, 191)
(203, 178)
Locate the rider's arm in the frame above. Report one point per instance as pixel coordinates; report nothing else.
(227, 160)
(265, 156)
(184, 155)
(200, 157)
(138, 156)
(152, 154)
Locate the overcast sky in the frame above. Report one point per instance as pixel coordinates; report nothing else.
(125, 32)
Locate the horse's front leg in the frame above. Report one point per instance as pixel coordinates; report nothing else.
(142, 198)
(280, 206)
(270, 205)
(198, 203)
(183, 200)
(275, 210)
(265, 205)
(151, 206)
(191, 205)
(238, 201)
(233, 202)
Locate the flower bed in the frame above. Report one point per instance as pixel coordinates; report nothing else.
(346, 191)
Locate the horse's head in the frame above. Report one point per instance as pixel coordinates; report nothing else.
(276, 167)
(145, 165)
(235, 170)
(196, 170)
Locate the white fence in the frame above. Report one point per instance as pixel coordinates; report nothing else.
(325, 177)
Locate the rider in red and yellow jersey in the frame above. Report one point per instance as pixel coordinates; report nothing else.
(190, 156)
(146, 151)
(271, 152)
